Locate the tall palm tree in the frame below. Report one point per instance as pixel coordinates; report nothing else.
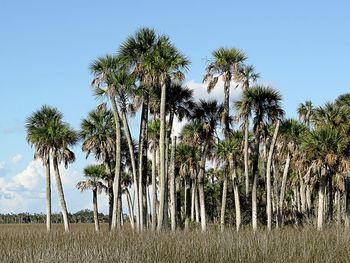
(245, 76)
(104, 69)
(167, 64)
(224, 64)
(306, 113)
(135, 51)
(207, 114)
(263, 103)
(229, 151)
(97, 132)
(38, 126)
(93, 173)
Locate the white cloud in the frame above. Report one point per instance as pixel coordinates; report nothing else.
(2, 165)
(17, 158)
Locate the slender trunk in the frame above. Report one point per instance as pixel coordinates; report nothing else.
(226, 112)
(201, 189)
(95, 210)
(338, 203)
(308, 199)
(302, 194)
(236, 196)
(130, 208)
(246, 167)
(162, 145)
(320, 212)
(283, 187)
(166, 185)
(120, 215)
(172, 185)
(61, 195)
(330, 199)
(196, 203)
(255, 172)
(116, 181)
(48, 194)
(142, 165)
(109, 190)
(132, 159)
(193, 199)
(187, 203)
(223, 203)
(154, 188)
(268, 177)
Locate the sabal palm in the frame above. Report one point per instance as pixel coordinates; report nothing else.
(104, 69)
(306, 113)
(167, 64)
(263, 104)
(97, 132)
(93, 173)
(207, 116)
(228, 151)
(224, 64)
(325, 148)
(38, 127)
(134, 52)
(50, 135)
(246, 76)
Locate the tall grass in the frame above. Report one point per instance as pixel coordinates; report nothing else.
(31, 243)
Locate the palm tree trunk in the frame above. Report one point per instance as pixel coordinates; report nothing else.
(320, 214)
(48, 194)
(154, 188)
(236, 196)
(187, 203)
(110, 202)
(223, 203)
(162, 146)
(61, 194)
(338, 204)
(302, 194)
(347, 203)
(116, 182)
(142, 165)
(226, 112)
(193, 199)
(196, 204)
(130, 208)
(255, 181)
(308, 199)
(268, 177)
(330, 199)
(166, 185)
(283, 187)
(95, 210)
(246, 167)
(132, 159)
(201, 189)
(172, 185)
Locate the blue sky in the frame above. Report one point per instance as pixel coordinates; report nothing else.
(299, 47)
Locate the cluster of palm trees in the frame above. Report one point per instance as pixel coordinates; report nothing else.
(277, 167)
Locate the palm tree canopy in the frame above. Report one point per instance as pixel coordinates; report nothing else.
(225, 62)
(261, 102)
(98, 134)
(94, 173)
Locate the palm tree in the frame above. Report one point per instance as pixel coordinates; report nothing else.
(207, 116)
(97, 132)
(93, 173)
(263, 103)
(104, 69)
(38, 127)
(229, 152)
(306, 113)
(224, 64)
(325, 147)
(245, 76)
(135, 51)
(167, 64)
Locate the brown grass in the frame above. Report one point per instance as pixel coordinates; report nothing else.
(31, 243)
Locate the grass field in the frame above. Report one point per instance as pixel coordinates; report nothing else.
(31, 243)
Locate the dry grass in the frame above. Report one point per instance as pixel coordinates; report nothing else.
(31, 243)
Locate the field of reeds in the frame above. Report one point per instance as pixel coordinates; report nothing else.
(31, 243)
